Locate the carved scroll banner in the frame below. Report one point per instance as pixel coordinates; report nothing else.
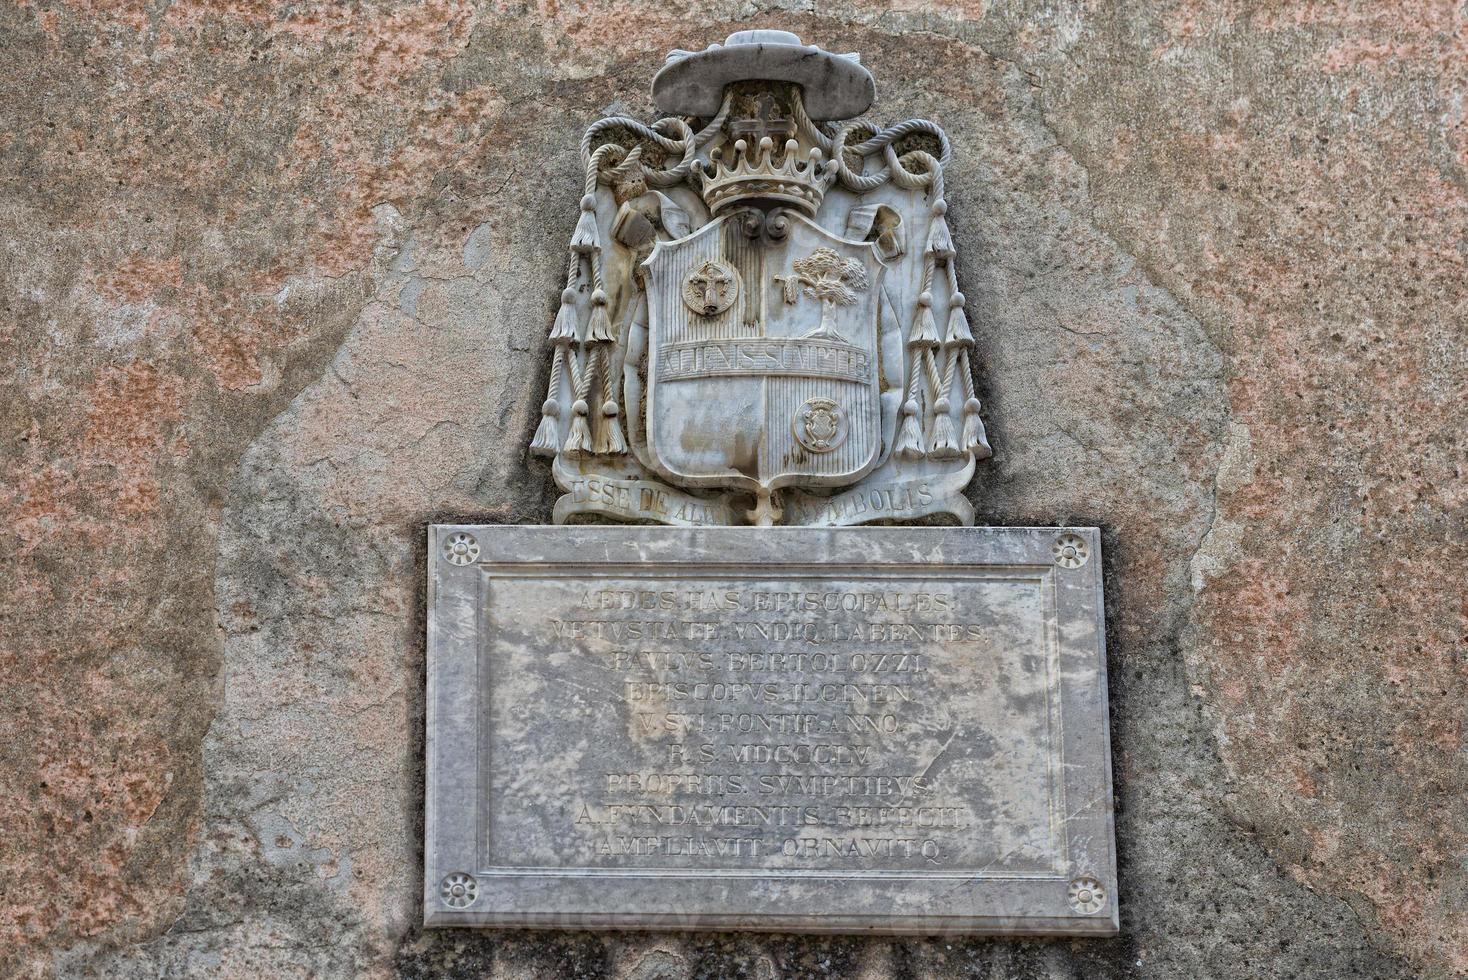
(900, 498)
(649, 501)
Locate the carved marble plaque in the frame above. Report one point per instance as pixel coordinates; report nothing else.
(897, 730)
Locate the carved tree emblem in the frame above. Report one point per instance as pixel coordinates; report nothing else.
(829, 278)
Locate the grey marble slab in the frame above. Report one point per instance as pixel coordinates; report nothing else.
(897, 730)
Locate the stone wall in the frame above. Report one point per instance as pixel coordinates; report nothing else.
(276, 281)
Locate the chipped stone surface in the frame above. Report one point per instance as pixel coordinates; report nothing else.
(276, 283)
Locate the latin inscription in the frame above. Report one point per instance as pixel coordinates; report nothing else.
(800, 729)
(763, 357)
(818, 721)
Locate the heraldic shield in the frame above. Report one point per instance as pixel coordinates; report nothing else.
(762, 357)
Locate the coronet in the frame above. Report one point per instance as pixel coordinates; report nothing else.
(785, 177)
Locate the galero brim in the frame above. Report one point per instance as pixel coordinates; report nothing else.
(834, 86)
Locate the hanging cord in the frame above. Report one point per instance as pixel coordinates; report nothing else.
(579, 443)
(609, 438)
(547, 438)
(920, 340)
(896, 168)
(973, 438)
(820, 134)
(943, 441)
(685, 144)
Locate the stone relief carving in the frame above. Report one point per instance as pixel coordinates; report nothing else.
(1086, 895)
(748, 331)
(711, 288)
(459, 890)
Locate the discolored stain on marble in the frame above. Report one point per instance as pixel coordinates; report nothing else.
(889, 731)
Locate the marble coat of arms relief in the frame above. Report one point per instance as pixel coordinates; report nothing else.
(761, 322)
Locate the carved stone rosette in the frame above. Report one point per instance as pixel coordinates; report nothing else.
(761, 321)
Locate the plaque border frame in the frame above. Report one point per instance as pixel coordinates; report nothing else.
(578, 898)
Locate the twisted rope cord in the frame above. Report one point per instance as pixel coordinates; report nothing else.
(923, 360)
(574, 370)
(586, 375)
(638, 129)
(608, 383)
(593, 162)
(952, 363)
(687, 143)
(930, 368)
(630, 162)
(820, 135)
(553, 388)
(677, 174)
(906, 128)
(896, 168)
(931, 175)
(915, 378)
(935, 172)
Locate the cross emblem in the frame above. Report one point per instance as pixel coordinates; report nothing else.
(710, 289)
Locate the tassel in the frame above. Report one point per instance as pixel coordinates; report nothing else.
(610, 441)
(548, 435)
(910, 436)
(924, 329)
(975, 439)
(600, 329)
(944, 444)
(609, 438)
(958, 331)
(578, 443)
(564, 330)
(585, 238)
(940, 242)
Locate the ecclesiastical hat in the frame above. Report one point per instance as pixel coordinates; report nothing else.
(835, 86)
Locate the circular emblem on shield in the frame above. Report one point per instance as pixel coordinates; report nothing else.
(820, 425)
(711, 288)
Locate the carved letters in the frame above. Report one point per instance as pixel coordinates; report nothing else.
(702, 726)
(888, 728)
(810, 720)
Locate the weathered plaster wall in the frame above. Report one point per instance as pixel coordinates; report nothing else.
(275, 281)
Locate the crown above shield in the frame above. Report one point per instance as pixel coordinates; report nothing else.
(766, 175)
(796, 340)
